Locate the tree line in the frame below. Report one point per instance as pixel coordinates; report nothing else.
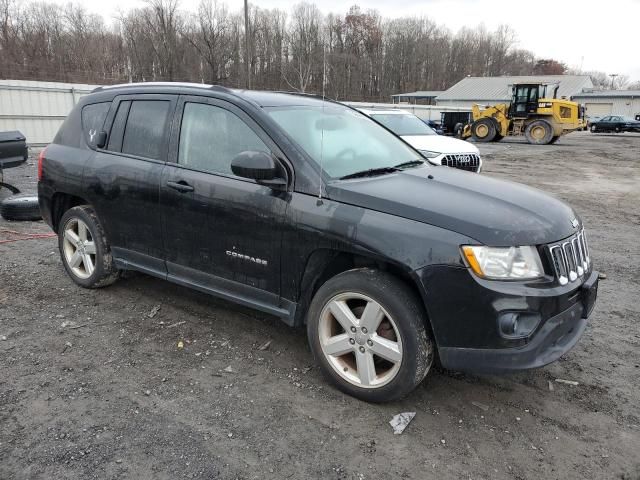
(357, 55)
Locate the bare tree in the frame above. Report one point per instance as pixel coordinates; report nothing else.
(361, 55)
(210, 34)
(305, 46)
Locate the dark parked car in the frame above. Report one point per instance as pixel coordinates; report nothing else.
(312, 212)
(615, 123)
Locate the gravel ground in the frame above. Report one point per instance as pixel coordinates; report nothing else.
(93, 384)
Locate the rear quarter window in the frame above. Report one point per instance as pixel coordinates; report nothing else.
(93, 117)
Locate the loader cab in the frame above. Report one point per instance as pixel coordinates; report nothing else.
(525, 96)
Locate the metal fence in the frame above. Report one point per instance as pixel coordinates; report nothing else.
(37, 109)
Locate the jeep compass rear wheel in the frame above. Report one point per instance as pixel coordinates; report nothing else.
(84, 249)
(367, 331)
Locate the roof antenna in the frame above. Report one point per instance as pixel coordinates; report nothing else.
(324, 77)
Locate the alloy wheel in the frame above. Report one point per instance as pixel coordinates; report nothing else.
(79, 248)
(360, 340)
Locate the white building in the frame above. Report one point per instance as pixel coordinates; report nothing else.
(493, 90)
(610, 102)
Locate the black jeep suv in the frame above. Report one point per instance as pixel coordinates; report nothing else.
(312, 212)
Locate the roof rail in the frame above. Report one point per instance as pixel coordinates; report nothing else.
(302, 94)
(163, 84)
(305, 94)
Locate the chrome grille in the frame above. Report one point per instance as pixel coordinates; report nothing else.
(463, 161)
(570, 258)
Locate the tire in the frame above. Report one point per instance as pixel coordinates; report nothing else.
(399, 331)
(93, 267)
(539, 132)
(484, 130)
(458, 130)
(617, 130)
(498, 137)
(20, 207)
(594, 129)
(554, 139)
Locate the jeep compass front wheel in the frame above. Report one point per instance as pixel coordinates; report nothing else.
(367, 331)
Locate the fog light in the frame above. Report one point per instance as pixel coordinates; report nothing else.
(518, 324)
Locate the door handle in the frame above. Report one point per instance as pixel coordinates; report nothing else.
(180, 186)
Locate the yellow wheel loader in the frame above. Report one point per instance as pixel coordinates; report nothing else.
(534, 112)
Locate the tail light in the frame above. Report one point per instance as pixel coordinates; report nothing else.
(40, 162)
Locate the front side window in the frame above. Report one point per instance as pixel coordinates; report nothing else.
(145, 130)
(210, 138)
(340, 139)
(403, 124)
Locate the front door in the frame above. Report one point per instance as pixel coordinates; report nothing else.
(222, 232)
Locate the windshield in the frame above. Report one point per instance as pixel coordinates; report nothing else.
(403, 124)
(349, 141)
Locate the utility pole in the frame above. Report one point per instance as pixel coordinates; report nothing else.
(613, 77)
(246, 43)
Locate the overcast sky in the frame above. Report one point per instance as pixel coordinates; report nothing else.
(592, 34)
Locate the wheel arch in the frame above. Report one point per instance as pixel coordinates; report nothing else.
(60, 203)
(324, 264)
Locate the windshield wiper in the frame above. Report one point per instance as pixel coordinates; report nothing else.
(370, 173)
(410, 163)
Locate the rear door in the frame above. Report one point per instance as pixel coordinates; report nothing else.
(222, 232)
(123, 178)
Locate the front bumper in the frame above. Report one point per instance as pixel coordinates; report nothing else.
(469, 339)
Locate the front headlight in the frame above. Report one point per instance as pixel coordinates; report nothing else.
(504, 263)
(429, 153)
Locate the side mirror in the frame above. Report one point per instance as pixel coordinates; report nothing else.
(259, 166)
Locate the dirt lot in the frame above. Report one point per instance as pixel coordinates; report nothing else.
(111, 396)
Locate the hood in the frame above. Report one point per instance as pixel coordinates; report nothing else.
(440, 143)
(491, 211)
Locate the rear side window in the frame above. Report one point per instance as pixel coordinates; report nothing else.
(93, 117)
(145, 128)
